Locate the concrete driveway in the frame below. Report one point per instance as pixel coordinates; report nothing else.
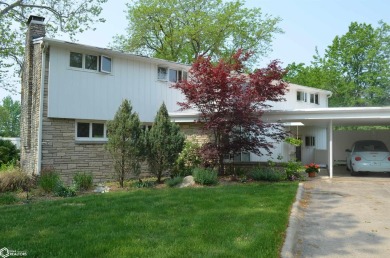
(341, 217)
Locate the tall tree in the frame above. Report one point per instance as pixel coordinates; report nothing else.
(164, 143)
(182, 30)
(356, 67)
(125, 141)
(9, 118)
(66, 16)
(231, 104)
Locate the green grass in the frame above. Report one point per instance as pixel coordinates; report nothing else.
(247, 220)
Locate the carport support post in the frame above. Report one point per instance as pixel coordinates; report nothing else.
(330, 148)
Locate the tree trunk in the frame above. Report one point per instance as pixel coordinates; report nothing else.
(221, 168)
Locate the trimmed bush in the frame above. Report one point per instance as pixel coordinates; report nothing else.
(83, 181)
(189, 158)
(205, 176)
(13, 180)
(294, 170)
(270, 174)
(64, 191)
(49, 180)
(172, 182)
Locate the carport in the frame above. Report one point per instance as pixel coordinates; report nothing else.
(330, 117)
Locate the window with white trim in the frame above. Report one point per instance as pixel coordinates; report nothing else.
(242, 157)
(90, 62)
(171, 75)
(105, 64)
(162, 73)
(310, 141)
(314, 98)
(91, 131)
(301, 96)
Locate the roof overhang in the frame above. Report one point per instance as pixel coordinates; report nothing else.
(110, 52)
(338, 116)
(312, 117)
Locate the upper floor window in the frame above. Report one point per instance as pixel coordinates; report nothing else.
(301, 96)
(162, 73)
(105, 64)
(172, 75)
(91, 131)
(314, 98)
(90, 62)
(76, 60)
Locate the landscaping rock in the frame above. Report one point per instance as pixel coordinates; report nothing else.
(187, 182)
(102, 189)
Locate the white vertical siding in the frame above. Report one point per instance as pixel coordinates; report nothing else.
(287, 151)
(83, 94)
(291, 99)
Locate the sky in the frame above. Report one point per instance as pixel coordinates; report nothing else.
(307, 24)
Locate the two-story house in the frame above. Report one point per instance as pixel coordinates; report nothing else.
(70, 90)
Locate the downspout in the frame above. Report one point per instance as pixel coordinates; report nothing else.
(43, 70)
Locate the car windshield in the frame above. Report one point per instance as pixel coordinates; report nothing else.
(370, 146)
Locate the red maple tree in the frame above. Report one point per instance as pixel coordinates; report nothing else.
(231, 104)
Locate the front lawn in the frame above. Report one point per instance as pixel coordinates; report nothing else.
(245, 220)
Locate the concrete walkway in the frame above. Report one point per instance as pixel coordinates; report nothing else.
(340, 217)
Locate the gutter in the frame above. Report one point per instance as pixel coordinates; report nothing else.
(43, 67)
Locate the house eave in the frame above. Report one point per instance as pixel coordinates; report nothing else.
(110, 52)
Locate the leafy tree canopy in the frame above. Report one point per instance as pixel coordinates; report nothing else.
(67, 16)
(9, 118)
(182, 30)
(231, 104)
(356, 67)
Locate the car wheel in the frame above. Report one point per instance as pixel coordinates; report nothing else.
(353, 173)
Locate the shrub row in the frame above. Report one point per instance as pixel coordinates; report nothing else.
(50, 182)
(13, 179)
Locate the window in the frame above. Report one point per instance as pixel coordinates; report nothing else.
(301, 96)
(172, 75)
(105, 64)
(91, 131)
(314, 98)
(242, 157)
(76, 60)
(91, 62)
(162, 73)
(82, 129)
(310, 141)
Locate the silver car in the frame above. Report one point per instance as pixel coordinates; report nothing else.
(368, 156)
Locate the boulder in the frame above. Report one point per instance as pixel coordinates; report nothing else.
(187, 182)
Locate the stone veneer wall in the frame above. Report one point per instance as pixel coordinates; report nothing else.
(62, 153)
(193, 131)
(30, 99)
